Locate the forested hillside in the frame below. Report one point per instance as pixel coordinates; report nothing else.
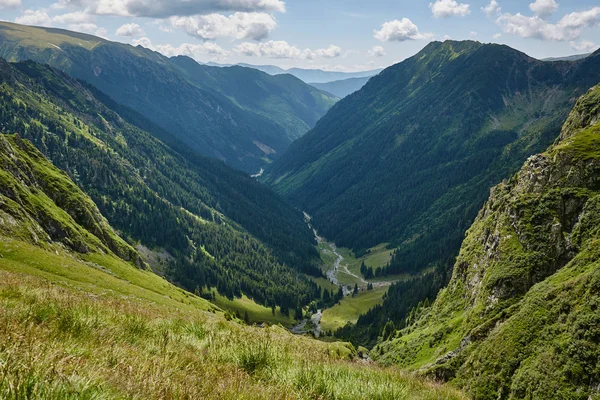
(409, 159)
(218, 227)
(191, 106)
(283, 98)
(519, 319)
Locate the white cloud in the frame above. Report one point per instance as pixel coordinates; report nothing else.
(169, 8)
(376, 51)
(77, 17)
(330, 52)
(76, 21)
(34, 17)
(473, 35)
(240, 25)
(543, 8)
(497, 35)
(446, 37)
(196, 51)
(129, 30)
(274, 49)
(492, 9)
(10, 3)
(569, 27)
(585, 46)
(399, 31)
(449, 8)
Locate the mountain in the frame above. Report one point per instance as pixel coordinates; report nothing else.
(208, 225)
(81, 316)
(568, 58)
(342, 88)
(283, 98)
(520, 319)
(311, 75)
(206, 120)
(409, 159)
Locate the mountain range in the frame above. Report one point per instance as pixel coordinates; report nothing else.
(342, 88)
(448, 188)
(409, 159)
(304, 74)
(188, 101)
(198, 219)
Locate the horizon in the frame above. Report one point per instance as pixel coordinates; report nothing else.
(344, 36)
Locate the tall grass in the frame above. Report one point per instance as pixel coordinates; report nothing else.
(56, 343)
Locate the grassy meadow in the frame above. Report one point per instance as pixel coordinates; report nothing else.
(94, 327)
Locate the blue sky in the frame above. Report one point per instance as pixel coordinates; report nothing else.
(330, 34)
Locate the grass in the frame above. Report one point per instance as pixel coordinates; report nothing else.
(76, 329)
(350, 308)
(256, 312)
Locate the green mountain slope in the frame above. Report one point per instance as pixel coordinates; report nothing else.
(208, 121)
(410, 158)
(520, 317)
(40, 205)
(78, 322)
(285, 99)
(208, 225)
(343, 87)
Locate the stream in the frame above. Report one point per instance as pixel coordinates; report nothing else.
(313, 324)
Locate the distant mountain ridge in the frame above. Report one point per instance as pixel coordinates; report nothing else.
(568, 58)
(342, 88)
(190, 107)
(305, 74)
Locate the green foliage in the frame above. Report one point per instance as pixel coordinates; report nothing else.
(219, 227)
(520, 317)
(143, 339)
(409, 159)
(237, 115)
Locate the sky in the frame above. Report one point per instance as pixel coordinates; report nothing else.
(337, 35)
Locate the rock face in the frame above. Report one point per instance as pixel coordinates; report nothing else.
(520, 317)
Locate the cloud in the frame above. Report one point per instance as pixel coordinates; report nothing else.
(376, 51)
(195, 51)
(34, 17)
(570, 27)
(473, 35)
(10, 3)
(274, 49)
(240, 25)
(129, 30)
(497, 35)
(585, 46)
(399, 31)
(169, 8)
(449, 8)
(543, 8)
(77, 17)
(492, 9)
(330, 52)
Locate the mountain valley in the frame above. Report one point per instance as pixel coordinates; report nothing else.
(177, 229)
